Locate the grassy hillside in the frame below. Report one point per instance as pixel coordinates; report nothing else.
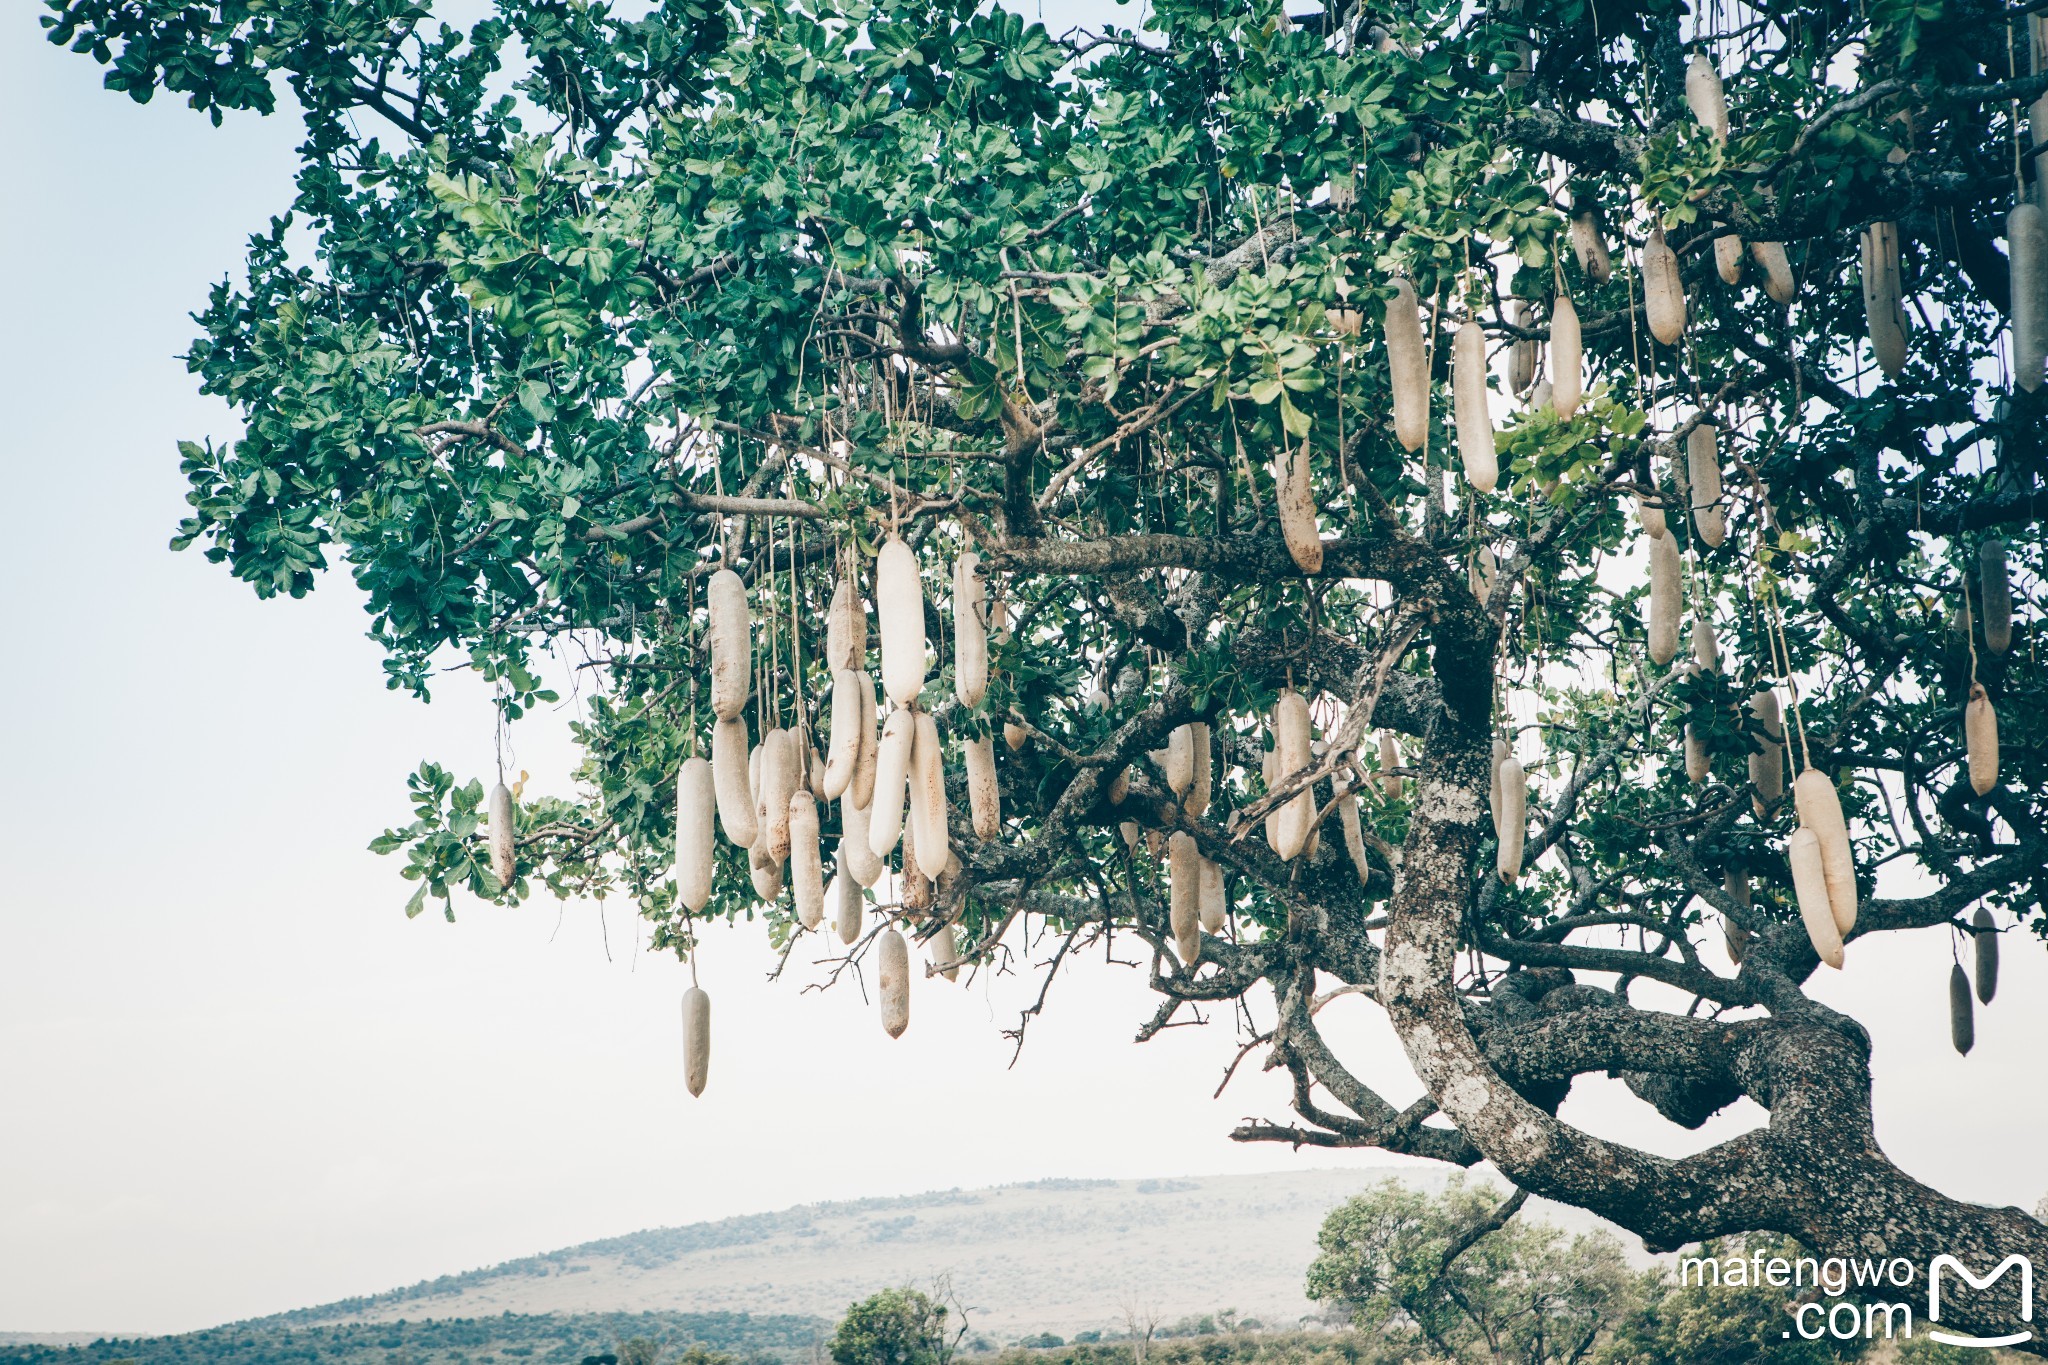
(1063, 1256)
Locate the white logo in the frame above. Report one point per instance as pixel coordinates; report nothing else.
(2026, 1268)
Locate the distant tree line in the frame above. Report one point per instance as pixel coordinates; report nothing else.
(510, 1339)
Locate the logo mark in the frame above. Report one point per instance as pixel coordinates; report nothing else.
(2026, 1269)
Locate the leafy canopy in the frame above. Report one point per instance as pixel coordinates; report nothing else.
(600, 301)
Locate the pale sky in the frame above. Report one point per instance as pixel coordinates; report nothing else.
(237, 1080)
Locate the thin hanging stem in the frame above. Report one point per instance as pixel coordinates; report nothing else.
(1775, 616)
(796, 639)
(2019, 190)
(1969, 626)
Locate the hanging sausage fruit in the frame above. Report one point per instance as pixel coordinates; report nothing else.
(1469, 408)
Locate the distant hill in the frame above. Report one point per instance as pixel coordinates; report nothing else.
(1059, 1256)
(1054, 1255)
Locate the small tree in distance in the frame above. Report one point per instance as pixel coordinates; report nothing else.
(1463, 1279)
(1141, 1323)
(902, 1326)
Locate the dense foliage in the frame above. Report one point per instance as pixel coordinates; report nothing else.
(599, 303)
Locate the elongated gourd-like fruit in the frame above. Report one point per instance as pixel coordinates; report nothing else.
(1590, 246)
(733, 783)
(856, 854)
(1567, 354)
(1292, 733)
(504, 856)
(1521, 351)
(771, 799)
(1706, 645)
(1663, 290)
(1985, 944)
(2026, 245)
(892, 782)
(1269, 770)
(696, 831)
(1703, 473)
(1995, 592)
(1736, 883)
(2037, 127)
(1469, 408)
(1297, 499)
(851, 908)
(1962, 1013)
(1665, 596)
(862, 788)
(984, 797)
(1130, 830)
(1180, 759)
(1512, 818)
(1211, 903)
(1390, 759)
(893, 982)
(970, 630)
(928, 794)
(1736, 939)
(1119, 786)
(814, 773)
(767, 876)
(806, 861)
(846, 628)
(1820, 810)
(1481, 575)
(1184, 896)
(1650, 513)
(1015, 736)
(696, 1040)
(1195, 801)
(1884, 319)
(946, 952)
(1728, 258)
(915, 885)
(1980, 732)
(732, 649)
(754, 783)
(1159, 759)
(843, 754)
(1705, 97)
(1500, 756)
(1695, 757)
(1767, 769)
(1810, 886)
(1407, 367)
(899, 608)
(1770, 258)
(1354, 835)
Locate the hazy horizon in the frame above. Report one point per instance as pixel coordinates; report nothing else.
(242, 1082)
